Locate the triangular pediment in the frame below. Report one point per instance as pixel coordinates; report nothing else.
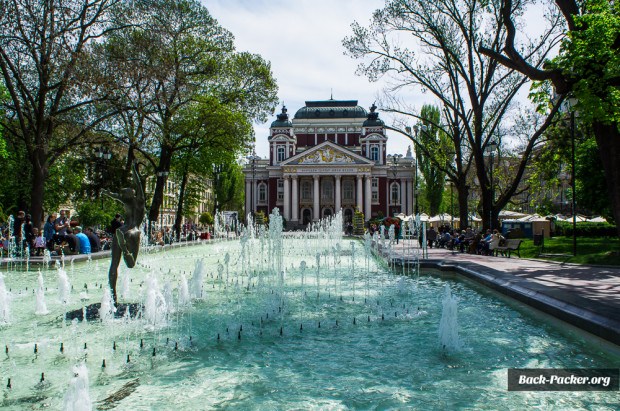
(327, 153)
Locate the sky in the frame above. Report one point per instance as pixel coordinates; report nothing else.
(303, 41)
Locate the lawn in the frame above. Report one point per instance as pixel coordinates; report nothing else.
(590, 250)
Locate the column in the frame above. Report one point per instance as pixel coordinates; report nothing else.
(358, 193)
(403, 196)
(409, 197)
(287, 198)
(295, 198)
(248, 197)
(255, 194)
(338, 196)
(315, 198)
(368, 198)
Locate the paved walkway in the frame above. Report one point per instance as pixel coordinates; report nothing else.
(585, 296)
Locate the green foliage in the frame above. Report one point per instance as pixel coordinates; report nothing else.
(586, 229)
(437, 144)
(91, 213)
(206, 218)
(590, 57)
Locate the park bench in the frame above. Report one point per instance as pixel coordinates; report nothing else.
(510, 246)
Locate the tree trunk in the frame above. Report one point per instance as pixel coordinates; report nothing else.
(608, 141)
(463, 195)
(179, 216)
(37, 192)
(158, 196)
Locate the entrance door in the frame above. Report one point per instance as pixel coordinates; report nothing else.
(327, 212)
(348, 215)
(307, 216)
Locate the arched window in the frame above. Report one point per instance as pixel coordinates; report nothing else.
(374, 153)
(306, 190)
(262, 193)
(281, 150)
(395, 193)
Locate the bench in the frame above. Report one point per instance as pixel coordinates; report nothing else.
(510, 246)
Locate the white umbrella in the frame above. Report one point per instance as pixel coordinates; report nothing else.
(597, 220)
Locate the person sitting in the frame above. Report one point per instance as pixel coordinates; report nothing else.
(93, 239)
(73, 244)
(83, 240)
(431, 237)
(39, 242)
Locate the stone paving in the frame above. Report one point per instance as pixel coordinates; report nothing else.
(585, 296)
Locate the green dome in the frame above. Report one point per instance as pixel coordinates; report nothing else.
(327, 109)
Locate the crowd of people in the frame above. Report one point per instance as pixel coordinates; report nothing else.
(58, 235)
(465, 241)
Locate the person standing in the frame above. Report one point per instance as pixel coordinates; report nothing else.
(49, 231)
(60, 225)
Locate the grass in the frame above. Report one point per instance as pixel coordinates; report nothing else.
(590, 250)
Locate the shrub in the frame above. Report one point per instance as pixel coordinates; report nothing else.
(586, 229)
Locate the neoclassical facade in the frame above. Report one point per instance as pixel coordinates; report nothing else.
(331, 156)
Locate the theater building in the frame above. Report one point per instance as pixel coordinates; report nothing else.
(330, 156)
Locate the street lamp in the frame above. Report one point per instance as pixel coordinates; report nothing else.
(490, 149)
(571, 103)
(393, 159)
(253, 159)
(103, 154)
(163, 175)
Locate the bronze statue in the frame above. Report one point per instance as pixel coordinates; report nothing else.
(126, 239)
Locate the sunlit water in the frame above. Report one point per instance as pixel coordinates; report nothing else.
(263, 334)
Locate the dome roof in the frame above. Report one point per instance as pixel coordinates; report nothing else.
(282, 120)
(327, 109)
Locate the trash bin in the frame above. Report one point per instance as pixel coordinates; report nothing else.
(539, 240)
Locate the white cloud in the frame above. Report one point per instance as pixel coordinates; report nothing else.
(303, 41)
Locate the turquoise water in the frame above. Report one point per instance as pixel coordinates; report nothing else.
(281, 358)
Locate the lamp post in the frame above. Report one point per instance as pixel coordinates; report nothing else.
(490, 149)
(253, 159)
(572, 102)
(394, 159)
(103, 154)
(162, 174)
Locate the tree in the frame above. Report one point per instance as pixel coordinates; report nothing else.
(43, 45)
(437, 144)
(476, 92)
(587, 67)
(216, 134)
(185, 57)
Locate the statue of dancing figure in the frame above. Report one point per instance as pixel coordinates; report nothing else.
(126, 239)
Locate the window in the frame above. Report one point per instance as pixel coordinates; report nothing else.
(280, 190)
(327, 190)
(347, 190)
(374, 152)
(375, 190)
(306, 190)
(262, 193)
(281, 150)
(394, 193)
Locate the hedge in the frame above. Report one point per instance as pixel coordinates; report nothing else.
(586, 229)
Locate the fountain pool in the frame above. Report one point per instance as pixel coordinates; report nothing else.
(276, 322)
